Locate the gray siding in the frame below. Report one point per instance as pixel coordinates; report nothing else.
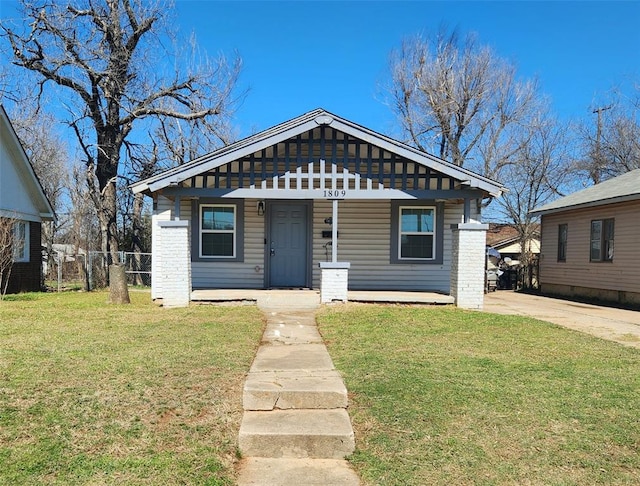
(364, 241)
(248, 274)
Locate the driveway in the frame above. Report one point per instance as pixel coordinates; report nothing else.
(619, 325)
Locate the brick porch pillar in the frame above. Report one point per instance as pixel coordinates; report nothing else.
(468, 264)
(175, 266)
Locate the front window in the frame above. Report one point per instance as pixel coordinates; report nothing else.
(218, 231)
(562, 242)
(602, 237)
(21, 241)
(417, 232)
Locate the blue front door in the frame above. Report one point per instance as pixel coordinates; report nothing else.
(288, 245)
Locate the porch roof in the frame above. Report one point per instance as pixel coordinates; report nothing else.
(303, 124)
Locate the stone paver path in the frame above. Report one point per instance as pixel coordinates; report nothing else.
(295, 429)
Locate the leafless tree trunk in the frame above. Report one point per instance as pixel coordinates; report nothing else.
(83, 231)
(457, 99)
(535, 176)
(104, 55)
(6, 252)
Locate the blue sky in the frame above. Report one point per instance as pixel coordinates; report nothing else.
(333, 54)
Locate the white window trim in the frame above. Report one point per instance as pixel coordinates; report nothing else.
(602, 257)
(203, 231)
(401, 233)
(24, 257)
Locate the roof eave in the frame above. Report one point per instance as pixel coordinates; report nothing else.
(34, 186)
(299, 125)
(591, 204)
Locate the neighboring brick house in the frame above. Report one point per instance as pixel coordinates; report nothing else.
(22, 199)
(590, 242)
(277, 209)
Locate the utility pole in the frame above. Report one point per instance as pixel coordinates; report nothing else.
(597, 166)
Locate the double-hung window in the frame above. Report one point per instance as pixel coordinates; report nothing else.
(218, 226)
(21, 241)
(417, 233)
(602, 237)
(563, 230)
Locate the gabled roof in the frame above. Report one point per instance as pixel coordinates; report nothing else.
(302, 124)
(24, 168)
(619, 189)
(502, 234)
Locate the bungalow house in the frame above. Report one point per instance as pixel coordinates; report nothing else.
(318, 202)
(23, 202)
(590, 242)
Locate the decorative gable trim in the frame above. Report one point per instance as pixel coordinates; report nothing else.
(303, 125)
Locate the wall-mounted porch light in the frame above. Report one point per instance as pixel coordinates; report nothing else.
(260, 208)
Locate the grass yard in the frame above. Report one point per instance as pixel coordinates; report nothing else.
(92, 393)
(443, 396)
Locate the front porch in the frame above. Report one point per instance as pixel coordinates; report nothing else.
(319, 202)
(300, 297)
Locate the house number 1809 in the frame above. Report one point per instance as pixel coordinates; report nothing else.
(335, 193)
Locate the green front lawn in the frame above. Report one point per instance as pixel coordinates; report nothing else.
(443, 396)
(92, 393)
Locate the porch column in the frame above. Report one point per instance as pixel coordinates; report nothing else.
(175, 265)
(468, 264)
(334, 275)
(334, 232)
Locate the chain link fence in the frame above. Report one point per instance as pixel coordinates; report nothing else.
(90, 270)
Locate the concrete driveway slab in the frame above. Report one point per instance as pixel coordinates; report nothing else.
(619, 325)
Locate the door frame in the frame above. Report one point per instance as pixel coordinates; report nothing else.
(269, 203)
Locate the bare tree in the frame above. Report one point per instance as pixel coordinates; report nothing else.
(108, 59)
(6, 252)
(49, 157)
(173, 142)
(459, 100)
(534, 177)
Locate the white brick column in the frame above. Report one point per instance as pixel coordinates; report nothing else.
(175, 266)
(334, 281)
(468, 264)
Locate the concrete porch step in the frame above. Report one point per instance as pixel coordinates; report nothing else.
(300, 472)
(269, 390)
(321, 434)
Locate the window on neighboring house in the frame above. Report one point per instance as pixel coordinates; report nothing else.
(218, 231)
(602, 233)
(417, 233)
(562, 242)
(21, 241)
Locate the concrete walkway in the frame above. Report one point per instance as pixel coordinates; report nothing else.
(295, 429)
(619, 325)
